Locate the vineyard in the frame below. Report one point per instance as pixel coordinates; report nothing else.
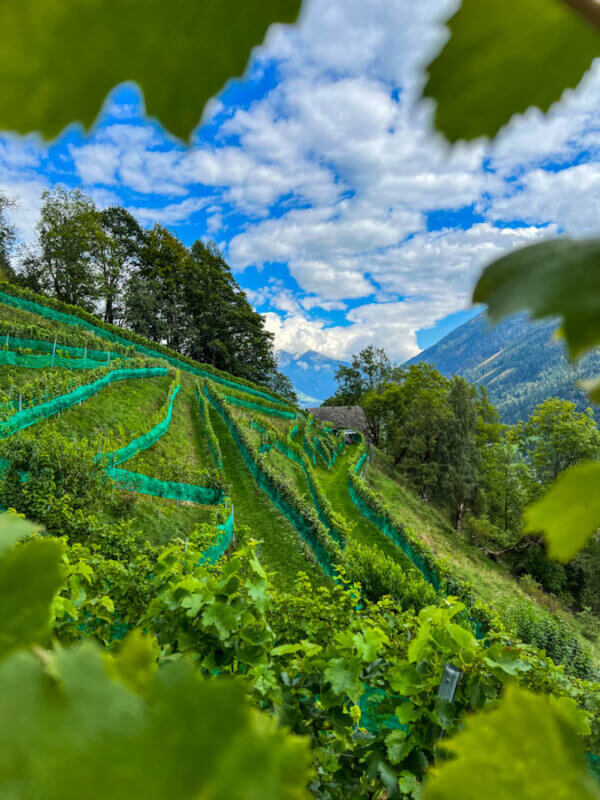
(189, 523)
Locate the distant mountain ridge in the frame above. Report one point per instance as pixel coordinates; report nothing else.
(312, 374)
(519, 361)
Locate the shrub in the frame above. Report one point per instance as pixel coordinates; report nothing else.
(380, 575)
(547, 632)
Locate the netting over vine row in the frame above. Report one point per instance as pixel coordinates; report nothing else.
(169, 490)
(42, 361)
(39, 345)
(70, 319)
(218, 549)
(266, 486)
(29, 416)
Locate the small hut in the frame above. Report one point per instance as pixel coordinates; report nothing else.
(351, 420)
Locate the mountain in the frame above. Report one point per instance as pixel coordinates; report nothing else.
(520, 362)
(312, 374)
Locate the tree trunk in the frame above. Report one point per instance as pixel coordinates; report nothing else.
(108, 309)
(459, 517)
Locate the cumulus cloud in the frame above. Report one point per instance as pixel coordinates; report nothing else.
(331, 174)
(570, 197)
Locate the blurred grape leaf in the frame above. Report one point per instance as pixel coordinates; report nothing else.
(13, 528)
(503, 58)
(74, 732)
(558, 278)
(592, 387)
(569, 513)
(60, 58)
(30, 576)
(527, 748)
(135, 663)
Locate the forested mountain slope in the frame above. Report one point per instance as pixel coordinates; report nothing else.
(159, 474)
(520, 363)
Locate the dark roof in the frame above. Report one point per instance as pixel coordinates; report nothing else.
(341, 417)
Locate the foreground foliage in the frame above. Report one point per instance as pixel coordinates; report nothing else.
(40, 41)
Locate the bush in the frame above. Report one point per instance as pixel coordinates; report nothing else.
(380, 575)
(547, 632)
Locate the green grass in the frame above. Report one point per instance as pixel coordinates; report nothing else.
(117, 414)
(492, 581)
(162, 520)
(183, 450)
(335, 484)
(123, 411)
(281, 547)
(290, 471)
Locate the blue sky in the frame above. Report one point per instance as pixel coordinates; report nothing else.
(345, 217)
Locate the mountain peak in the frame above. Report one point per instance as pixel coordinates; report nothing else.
(312, 374)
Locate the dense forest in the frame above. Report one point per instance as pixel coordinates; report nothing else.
(145, 280)
(445, 436)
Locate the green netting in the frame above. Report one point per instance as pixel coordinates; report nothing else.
(371, 718)
(214, 446)
(321, 451)
(215, 551)
(147, 439)
(288, 453)
(395, 535)
(170, 490)
(265, 485)
(310, 453)
(293, 456)
(38, 361)
(29, 416)
(594, 766)
(360, 462)
(270, 412)
(70, 319)
(14, 342)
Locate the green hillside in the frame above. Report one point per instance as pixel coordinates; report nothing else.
(520, 363)
(163, 473)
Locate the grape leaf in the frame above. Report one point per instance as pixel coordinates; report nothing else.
(526, 748)
(30, 576)
(59, 59)
(13, 528)
(503, 58)
(569, 512)
(135, 664)
(74, 732)
(344, 676)
(560, 277)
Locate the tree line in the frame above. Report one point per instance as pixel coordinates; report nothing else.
(446, 438)
(148, 281)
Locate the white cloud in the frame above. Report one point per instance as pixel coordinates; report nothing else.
(172, 213)
(571, 198)
(332, 173)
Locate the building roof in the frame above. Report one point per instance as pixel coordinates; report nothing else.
(341, 417)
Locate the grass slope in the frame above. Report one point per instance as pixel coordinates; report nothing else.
(335, 484)
(117, 414)
(493, 583)
(281, 548)
(183, 449)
